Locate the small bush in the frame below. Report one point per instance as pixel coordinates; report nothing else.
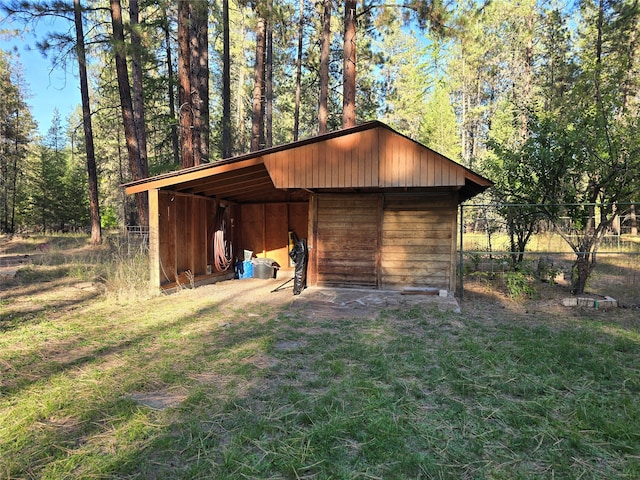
(519, 284)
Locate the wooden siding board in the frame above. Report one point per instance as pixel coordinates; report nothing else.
(155, 241)
(200, 220)
(299, 219)
(301, 166)
(382, 159)
(307, 163)
(315, 166)
(345, 167)
(424, 166)
(416, 241)
(171, 263)
(398, 166)
(182, 241)
(417, 156)
(346, 241)
(195, 235)
(276, 232)
(252, 228)
(211, 213)
(372, 170)
(361, 160)
(454, 245)
(323, 175)
(312, 267)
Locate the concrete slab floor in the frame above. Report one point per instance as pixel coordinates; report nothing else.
(355, 298)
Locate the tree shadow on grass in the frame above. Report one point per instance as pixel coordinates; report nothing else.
(102, 385)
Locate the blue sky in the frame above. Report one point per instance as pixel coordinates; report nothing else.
(48, 87)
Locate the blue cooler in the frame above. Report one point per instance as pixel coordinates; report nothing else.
(246, 270)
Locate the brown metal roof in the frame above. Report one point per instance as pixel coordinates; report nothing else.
(368, 157)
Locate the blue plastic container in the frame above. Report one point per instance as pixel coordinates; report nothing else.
(246, 270)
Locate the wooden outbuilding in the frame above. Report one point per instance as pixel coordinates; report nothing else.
(378, 210)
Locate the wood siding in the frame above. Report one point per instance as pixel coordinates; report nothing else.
(378, 158)
(264, 229)
(179, 239)
(346, 239)
(418, 241)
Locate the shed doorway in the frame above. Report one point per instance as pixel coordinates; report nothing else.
(418, 241)
(265, 227)
(347, 240)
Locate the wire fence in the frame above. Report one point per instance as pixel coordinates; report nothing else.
(487, 250)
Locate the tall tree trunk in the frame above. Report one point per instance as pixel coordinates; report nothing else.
(92, 171)
(175, 145)
(138, 91)
(138, 170)
(199, 70)
(138, 103)
(296, 110)
(240, 129)
(14, 191)
(185, 111)
(226, 82)
(324, 68)
(257, 123)
(268, 88)
(349, 72)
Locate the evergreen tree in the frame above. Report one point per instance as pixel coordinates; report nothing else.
(439, 129)
(16, 126)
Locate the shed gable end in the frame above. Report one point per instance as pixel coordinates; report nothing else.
(373, 158)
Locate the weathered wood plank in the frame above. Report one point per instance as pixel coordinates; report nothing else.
(252, 222)
(416, 240)
(394, 237)
(410, 251)
(408, 216)
(183, 237)
(397, 261)
(347, 238)
(299, 219)
(276, 233)
(344, 280)
(155, 240)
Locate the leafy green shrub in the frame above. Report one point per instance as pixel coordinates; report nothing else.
(108, 218)
(519, 284)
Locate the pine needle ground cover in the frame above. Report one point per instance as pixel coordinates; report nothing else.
(198, 386)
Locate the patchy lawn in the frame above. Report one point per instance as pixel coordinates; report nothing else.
(231, 381)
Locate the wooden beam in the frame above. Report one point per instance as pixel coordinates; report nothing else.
(180, 176)
(312, 259)
(154, 242)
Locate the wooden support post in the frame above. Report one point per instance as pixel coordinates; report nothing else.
(378, 254)
(154, 242)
